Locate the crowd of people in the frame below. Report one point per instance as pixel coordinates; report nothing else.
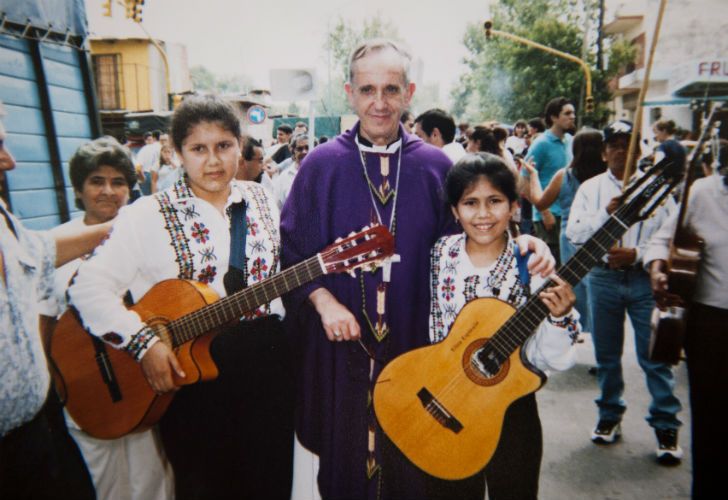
(475, 211)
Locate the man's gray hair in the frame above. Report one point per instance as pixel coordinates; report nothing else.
(376, 45)
(298, 137)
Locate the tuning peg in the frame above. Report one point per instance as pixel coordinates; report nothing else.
(338, 240)
(351, 234)
(352, 273)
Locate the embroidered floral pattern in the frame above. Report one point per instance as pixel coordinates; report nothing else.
(193, 239)
(252, 227)
(200, 233)
(207, 275)
(176, 231)
(452, 290)
(139, 342)
(568, 323)
(258, 269)
(447, 289)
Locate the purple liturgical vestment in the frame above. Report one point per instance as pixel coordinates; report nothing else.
(330, 198)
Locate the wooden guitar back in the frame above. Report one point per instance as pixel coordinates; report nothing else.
(448, 420)
(78, 369)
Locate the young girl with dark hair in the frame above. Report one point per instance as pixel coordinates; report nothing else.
(483, 261)
(231, 437)
(587, 162)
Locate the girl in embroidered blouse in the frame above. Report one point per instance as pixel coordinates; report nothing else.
(231, 437)
(481, 262)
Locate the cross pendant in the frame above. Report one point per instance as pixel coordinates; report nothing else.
(387, 267)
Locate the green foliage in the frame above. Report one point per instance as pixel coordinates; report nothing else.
(341, 40)
(506, 80)
(205, 80)
(621, 54)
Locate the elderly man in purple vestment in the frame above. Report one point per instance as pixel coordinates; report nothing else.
(348, 328)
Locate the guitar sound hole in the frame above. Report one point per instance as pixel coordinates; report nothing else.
(483, 365)
(486, 360)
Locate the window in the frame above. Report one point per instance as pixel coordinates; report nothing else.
(108, 80)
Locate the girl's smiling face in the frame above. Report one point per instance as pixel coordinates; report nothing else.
(484, 213)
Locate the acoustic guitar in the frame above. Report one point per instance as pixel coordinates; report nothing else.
(686, 248)
(443, 405)
(105, 390)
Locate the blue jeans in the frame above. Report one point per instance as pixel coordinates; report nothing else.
(581, 291)
(613, 293)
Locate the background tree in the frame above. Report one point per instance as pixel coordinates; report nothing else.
(506, 81)
(204, 80)
(340, 42)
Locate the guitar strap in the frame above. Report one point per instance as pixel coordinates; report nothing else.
(522, 262)
(234, 279)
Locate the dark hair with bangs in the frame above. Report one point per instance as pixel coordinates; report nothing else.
(471, 168)
(197, 109)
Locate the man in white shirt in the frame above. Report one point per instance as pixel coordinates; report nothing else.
(706, 339)
(618, 285)
(283, 182)
(147, 159)
(436, 127)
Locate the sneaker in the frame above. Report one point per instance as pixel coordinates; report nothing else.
(606, 432)
(668, 451)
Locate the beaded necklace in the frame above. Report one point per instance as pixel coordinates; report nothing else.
(380, 329)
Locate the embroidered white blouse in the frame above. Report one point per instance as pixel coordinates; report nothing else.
(455, 281)
(172, 234)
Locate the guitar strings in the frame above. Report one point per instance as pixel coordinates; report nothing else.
(226, 309)
(511, 335)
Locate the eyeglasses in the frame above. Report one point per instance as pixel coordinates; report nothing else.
(301, 149)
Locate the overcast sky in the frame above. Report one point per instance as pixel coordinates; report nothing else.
(253, 36)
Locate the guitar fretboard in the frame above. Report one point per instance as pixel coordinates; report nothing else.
(232, 307)
(516, 330)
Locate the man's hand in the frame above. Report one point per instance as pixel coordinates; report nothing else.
(339, 324)
(542, 261)
(549, 221)
(157, 365)
(658, 282)
(619, 257)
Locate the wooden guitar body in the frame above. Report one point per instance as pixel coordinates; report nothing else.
(447, 420)
(668, 327)
(105, 390)
(88, 387)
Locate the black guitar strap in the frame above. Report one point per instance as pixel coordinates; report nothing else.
(234, 279)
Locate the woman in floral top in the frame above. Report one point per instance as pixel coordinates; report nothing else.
(482, 262)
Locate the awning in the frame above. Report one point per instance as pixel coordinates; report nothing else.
(669, 100)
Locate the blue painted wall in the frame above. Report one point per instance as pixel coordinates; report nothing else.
(31, 188)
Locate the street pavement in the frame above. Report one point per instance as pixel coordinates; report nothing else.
(575, 468)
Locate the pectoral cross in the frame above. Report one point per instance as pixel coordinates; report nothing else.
(387, 267)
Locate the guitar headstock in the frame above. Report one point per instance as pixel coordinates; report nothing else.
(650, 191)
(368, 246)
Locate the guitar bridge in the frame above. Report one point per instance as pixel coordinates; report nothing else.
(438, 411)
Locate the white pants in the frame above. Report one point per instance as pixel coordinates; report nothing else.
(305, 472)
(132, 467)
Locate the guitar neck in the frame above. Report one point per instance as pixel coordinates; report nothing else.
(522, 324)
(232, 307)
